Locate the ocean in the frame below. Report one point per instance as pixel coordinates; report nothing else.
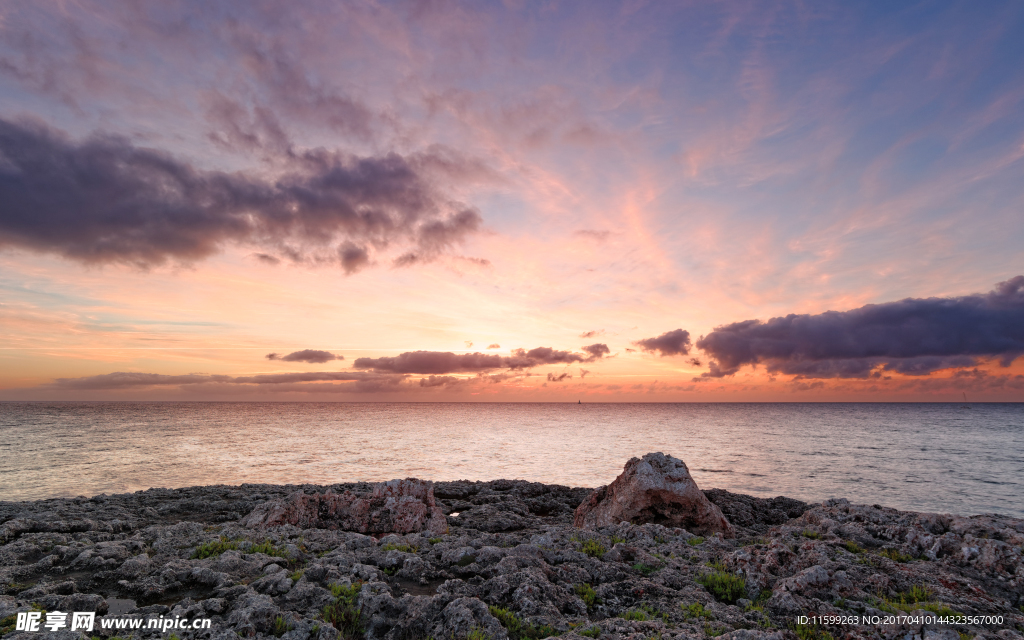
(921, 457)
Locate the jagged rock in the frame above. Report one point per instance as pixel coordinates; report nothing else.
(396, 506)
(656, 488)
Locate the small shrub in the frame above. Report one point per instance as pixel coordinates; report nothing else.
(519, 629)
(267, 548)
(404, 548)
(695, 611)
(896, 555)
(813, 535)
(853, 547)
(476, 633)
(635, 614)
(808, 632)
(587, 594)
(725, 587)
(696, 540)
(713, 632)
(7, 624)
(435, 540)
(616, 540)
(281, 627)
(593, 548)
(645, 569)
(215, 548)
(295, 576)
(343, 614)
(592, 632)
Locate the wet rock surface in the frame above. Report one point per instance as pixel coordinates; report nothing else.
(510, 565)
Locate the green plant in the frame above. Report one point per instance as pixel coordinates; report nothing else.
(587, 594)
(435, 540)
(725, 587)
(853, 547)
(390, 571)
(635, 614)
(695, 611)
(811, 632)
(404, 548)
(343, 614)
(267, 548)
(296, 575)
(519, 629)
(813, 535)
(696, 540)
(896, 555)
(281, 627)
(593, 548)
(7, 624)
(617, 540)
(645, 569)
(476, 633)
(214, 548)
(713, 632)
(592, 632)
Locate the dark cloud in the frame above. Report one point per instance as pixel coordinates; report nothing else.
(106, 200)
(592, 334)
(584, 372)
(523, 359)
(597, 350)
(912, 336)
(439, 381)
(436, 362)
(558, 378)
(353, 257)
(127, 380)
(442, 362)
(670, 343)
(312, 356)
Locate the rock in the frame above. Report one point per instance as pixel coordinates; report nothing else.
(396, 506)
(656, 488)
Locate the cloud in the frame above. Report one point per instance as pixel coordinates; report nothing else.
(494, 345)
(590, 234)
(597, 350)
(523, 359)
(104, 200)
(439, 381)
(469, 344)
(442, 362)
(592, 334)
(913, 336)
(312, 356)
(670, 343)
(435, 362)
(127, 380)
(558, 378)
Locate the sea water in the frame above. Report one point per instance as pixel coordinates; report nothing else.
(922, 457)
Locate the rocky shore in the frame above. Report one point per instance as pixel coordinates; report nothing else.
(507, 560)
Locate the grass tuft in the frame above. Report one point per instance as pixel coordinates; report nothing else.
(813, 535)
(343, 614)
(811, 632)
(281, 627)
(404, 548)
(696, 540)
(725, 587)
(853, 547)
(896, 555)
(519, 629)
(214, 548)
(695, 611)
(593, 548)
(587, 594)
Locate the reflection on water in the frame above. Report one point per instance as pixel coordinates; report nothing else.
(927, 457)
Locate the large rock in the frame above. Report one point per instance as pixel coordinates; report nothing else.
(656, 488)
(396, 506)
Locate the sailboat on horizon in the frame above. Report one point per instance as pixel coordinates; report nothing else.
(964, 405)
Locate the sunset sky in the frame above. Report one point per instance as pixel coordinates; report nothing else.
(512, 201)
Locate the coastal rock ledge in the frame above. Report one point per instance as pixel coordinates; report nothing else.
(654, 489)
(396, 506)
(269, 561)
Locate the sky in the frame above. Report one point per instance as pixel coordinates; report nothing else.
(512, 201)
